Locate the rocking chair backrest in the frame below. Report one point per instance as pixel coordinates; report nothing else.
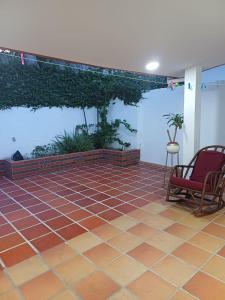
(208, 159)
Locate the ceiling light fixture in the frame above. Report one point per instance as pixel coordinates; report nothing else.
(152, 66)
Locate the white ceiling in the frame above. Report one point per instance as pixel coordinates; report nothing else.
(124, 34)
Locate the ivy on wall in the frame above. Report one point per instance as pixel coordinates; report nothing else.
(40, 84)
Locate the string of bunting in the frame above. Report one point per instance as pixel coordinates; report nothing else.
(23, 59)
(171, 84)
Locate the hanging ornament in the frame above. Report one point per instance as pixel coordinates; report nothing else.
(22, 58)
(189, 86)
(171, 85)
(203, 86)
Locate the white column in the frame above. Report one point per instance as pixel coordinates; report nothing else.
(192, 113)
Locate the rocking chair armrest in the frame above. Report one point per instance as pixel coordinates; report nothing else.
(214, 179)
(178, 170)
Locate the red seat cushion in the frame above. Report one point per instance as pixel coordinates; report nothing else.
(206, 162)
(189, 184)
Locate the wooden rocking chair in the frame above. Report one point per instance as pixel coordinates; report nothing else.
(202, 182)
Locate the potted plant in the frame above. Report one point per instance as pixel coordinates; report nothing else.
(175, 120)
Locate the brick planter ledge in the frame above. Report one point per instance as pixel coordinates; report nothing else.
(24, 168)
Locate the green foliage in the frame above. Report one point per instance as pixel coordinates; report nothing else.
(49, 83)
(107, 132)
(39, 85)
(175, 120)
(45, 150)
(74, 142)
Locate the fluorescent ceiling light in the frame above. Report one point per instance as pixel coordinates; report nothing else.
(153, 65)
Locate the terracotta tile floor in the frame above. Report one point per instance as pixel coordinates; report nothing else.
(104, 232)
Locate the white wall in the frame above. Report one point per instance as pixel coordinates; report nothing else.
(213, 116)
(213, 108)
(40, 127)
(130, 114)
(36, 128)
(152, 128)
(147, 118)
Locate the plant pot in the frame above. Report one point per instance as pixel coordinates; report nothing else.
(173, 147)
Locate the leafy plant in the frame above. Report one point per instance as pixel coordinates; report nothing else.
(54, 83)
(74, 142)
(107, 132)
(45, 150)
(175, 120)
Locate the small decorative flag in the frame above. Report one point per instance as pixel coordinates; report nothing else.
(22, 58)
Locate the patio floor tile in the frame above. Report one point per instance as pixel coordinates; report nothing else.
(11, 295)
(46, 242)
(17, 254)
(139, 214)
(84, 202)
(216, 230)
(100, 197)
(174, 270)
(92, 222)
(173, 214)
(181, 295)
(84, 242)
(216, 267)
(193, 222)
(65, 295)
(35, 231)
(58, 222)
(26, 222)
(157, 221)
(10, 241)
(2, 220)
(27, 269)
(138, 202)
(123, 270)
(205, 287)
(206, 241)
(142, 231)
(106, 230)
(97, 208)
(17, 215)
(58, 254)
(71, 231)
(74, 269)
(164, 241)
(96, 286)
(42, 287)
(79, 214)
(192, 254)
(6, 229)
(181, 231)
(124, 222)
(125, 208)
(124, 294)
(125, 241)
(222, 252)
(5, 283)
(150, 286)
(146, 254)
(112, 202)
(110, 214)
(101, 254)
(48, 215)
(68, 208)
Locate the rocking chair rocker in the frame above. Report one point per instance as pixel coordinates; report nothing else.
(202, 182)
